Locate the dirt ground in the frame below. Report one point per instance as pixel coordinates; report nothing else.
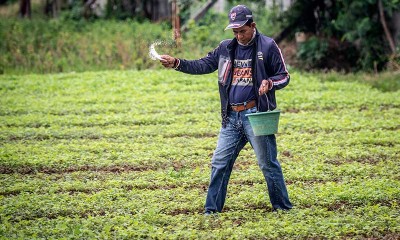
(289, 49)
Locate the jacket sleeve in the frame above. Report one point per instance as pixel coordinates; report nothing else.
(207, 64)
(276, 68)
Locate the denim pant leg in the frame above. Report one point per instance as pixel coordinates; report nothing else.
(231, 140)
(266, 151)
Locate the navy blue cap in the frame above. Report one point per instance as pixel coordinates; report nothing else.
(238, 16)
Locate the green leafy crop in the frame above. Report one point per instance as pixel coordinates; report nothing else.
(126, 155)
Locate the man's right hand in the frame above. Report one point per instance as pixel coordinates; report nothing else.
(167, 61)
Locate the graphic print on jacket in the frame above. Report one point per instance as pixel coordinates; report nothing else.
(242, 81)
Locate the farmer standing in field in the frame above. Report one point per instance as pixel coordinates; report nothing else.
(250, 69)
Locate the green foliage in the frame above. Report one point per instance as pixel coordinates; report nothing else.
(386, 81)
(7, 2)
(313, 52)
(74, 11)
(117, 9)
(126, 155)
(64, 46)
(188, 7)
(207, 33)
(356, 22)
(73, 44)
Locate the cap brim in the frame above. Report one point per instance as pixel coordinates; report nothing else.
(236, 25)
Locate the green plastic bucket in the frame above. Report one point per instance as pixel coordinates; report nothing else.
(264, 123)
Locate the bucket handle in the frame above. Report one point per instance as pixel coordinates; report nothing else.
(267, 103)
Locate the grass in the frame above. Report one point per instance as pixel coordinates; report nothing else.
(385, 81)
(57, 45)
(126, 154)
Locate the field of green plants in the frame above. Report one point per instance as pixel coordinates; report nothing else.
(126, 154)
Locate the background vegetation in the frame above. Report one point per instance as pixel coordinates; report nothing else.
(41, 46)
(340, 35)
(64, 45)
(347, 34)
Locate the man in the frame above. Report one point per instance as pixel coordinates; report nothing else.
(250, 69)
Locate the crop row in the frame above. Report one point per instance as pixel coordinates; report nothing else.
(333, 211)
(156, 151)
(148, 91)
(348, 119)
(246, 173)
(374, 220)
(119, 198)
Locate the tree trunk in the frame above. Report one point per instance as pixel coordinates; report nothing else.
(87, 8)
(385, 28)
(157, 10)
(396, 27)
(52, 8)
(56, 8)
(202, 12)
(25, 8)
(176, 23)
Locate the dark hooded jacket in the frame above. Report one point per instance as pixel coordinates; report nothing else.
(267, 63)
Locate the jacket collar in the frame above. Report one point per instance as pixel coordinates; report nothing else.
(233, 44)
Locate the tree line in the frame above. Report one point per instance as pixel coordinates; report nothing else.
(330, 34)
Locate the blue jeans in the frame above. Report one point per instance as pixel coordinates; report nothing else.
(231, 141)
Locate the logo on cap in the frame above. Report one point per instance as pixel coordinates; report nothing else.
(238, 16)
(233, 15)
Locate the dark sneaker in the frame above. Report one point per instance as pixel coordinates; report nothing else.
(210, 213)
(280, 210)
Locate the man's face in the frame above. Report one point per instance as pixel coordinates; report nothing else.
(244, 33)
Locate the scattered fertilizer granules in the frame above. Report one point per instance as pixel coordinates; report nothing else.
(152, 51)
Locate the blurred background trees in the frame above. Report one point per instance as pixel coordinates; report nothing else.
(343, 35)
